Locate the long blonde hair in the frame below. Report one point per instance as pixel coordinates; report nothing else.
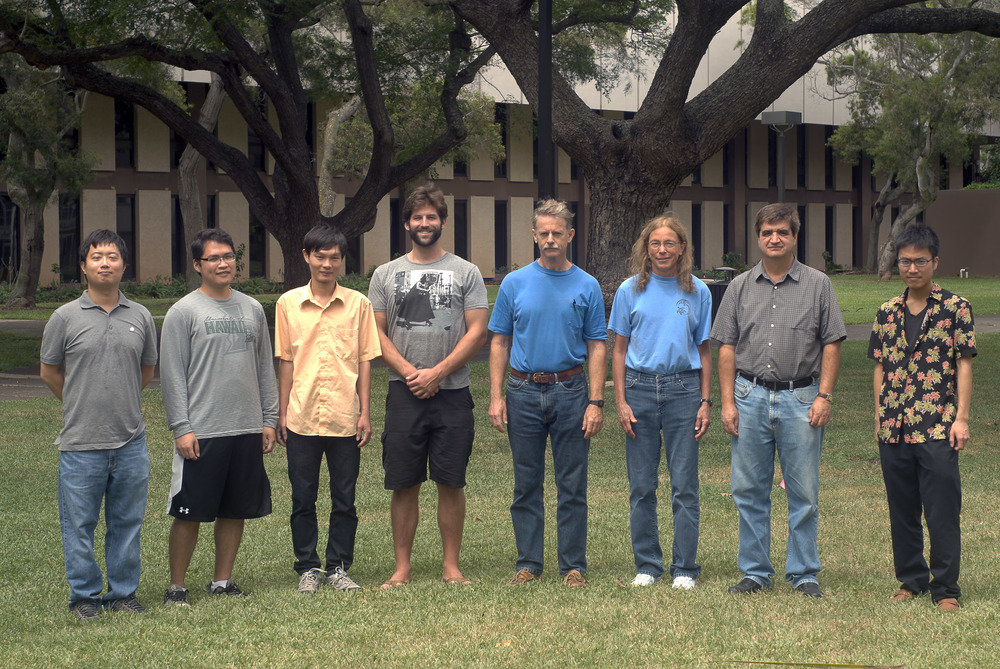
(643, 266)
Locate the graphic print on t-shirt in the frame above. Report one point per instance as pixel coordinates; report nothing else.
(423, 299)
(241, 329)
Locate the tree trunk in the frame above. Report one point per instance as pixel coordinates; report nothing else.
(32, 247)
(188, 192)
(335, 119)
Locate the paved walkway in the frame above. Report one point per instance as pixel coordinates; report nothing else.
(24, 383)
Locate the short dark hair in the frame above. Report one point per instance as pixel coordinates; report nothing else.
(99, 237)
(423, 195)
(919, 237)
(324, 237)
(779, 212)
(217, 235)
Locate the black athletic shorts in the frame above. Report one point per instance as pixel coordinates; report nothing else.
(227, 480)
(436, 432)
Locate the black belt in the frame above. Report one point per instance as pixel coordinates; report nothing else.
(778, 385)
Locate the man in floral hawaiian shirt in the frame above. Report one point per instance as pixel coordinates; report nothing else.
(923, 343)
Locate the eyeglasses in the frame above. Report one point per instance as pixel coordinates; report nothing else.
(670, 246)
(228, 257)
(919, 262)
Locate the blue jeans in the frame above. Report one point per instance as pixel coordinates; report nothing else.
(776, 421)
(536, 411)
(667, 404)
(120, 477)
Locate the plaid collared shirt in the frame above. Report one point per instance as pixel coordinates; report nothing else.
(779, 329)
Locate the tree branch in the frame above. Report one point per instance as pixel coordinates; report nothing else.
(929, 20)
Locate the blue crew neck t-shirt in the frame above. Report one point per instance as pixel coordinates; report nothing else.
(664, 324)
(550, 316)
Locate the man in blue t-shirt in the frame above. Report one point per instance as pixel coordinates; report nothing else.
(548, 319)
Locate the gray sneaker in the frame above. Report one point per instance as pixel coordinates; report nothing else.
(176, 595)
(310, 581)
(87, 609)
(341, 581)
(128, 605)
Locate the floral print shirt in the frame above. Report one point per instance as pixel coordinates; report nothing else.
(918, 399)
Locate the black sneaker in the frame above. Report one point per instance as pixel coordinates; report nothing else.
(230, 589)
(746, 586)
(809, 589)
(87, 609)
(127, 604)
(176, 595)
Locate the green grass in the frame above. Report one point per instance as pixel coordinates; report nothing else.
(861, 294)
(18, 350)
(542, 624)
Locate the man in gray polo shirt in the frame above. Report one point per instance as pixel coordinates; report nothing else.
(780, 328)
(98, 353)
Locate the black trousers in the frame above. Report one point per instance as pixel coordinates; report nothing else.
(924, 477)
(343, 459)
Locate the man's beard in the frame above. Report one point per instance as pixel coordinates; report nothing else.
(415, 236)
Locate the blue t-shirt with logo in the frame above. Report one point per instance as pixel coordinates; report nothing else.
(664, 324)
(550, 316)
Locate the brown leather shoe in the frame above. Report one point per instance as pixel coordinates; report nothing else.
(948, 604)
(903, 595)
(523, 576)
(575, 579)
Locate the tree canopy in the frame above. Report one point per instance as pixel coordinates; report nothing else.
(633, 166)
(917, 102)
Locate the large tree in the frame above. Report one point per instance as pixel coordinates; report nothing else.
(283, 51)
(38, 115)
(916, 102)
(633, 166)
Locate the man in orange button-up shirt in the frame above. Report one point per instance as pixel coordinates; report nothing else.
(325, 338)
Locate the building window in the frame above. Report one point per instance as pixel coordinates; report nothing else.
(460, 224)
(177, 146)
(830, 160)
(255, 151)
(397, 233)
(501, 256)
(726, 162)
(696, 176)
(801, 251)
(696, 234)
(574, 246)
(772, 159)
(210, 214)
(829, 243)
(460, 169)
(727, 237)
(256, 261)
(801, 153)
(125, 223)
(500, 118)
(124, 134)
(69, 239)
(10, 228)
(177, 255)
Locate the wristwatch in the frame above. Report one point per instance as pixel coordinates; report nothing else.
(707, 400)
(597, 403)
(827, 396)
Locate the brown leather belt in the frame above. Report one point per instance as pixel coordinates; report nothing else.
(547, 377)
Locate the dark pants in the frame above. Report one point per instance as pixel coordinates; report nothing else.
(343, 459)
(924, 476)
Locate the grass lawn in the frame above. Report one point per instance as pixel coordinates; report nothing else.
(541, 624)
(18, 350)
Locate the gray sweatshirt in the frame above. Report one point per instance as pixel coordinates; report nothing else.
(216, 368)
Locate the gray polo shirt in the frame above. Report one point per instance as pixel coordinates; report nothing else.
(779, 329)
(102, 356)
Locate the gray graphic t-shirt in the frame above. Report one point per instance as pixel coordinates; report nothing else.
(425, 305)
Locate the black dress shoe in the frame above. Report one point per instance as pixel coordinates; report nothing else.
(746, 586)
(809, 589)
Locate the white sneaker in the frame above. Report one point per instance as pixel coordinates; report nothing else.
(310, 581)
(644, 579)
(684, 583)
(341, 581)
